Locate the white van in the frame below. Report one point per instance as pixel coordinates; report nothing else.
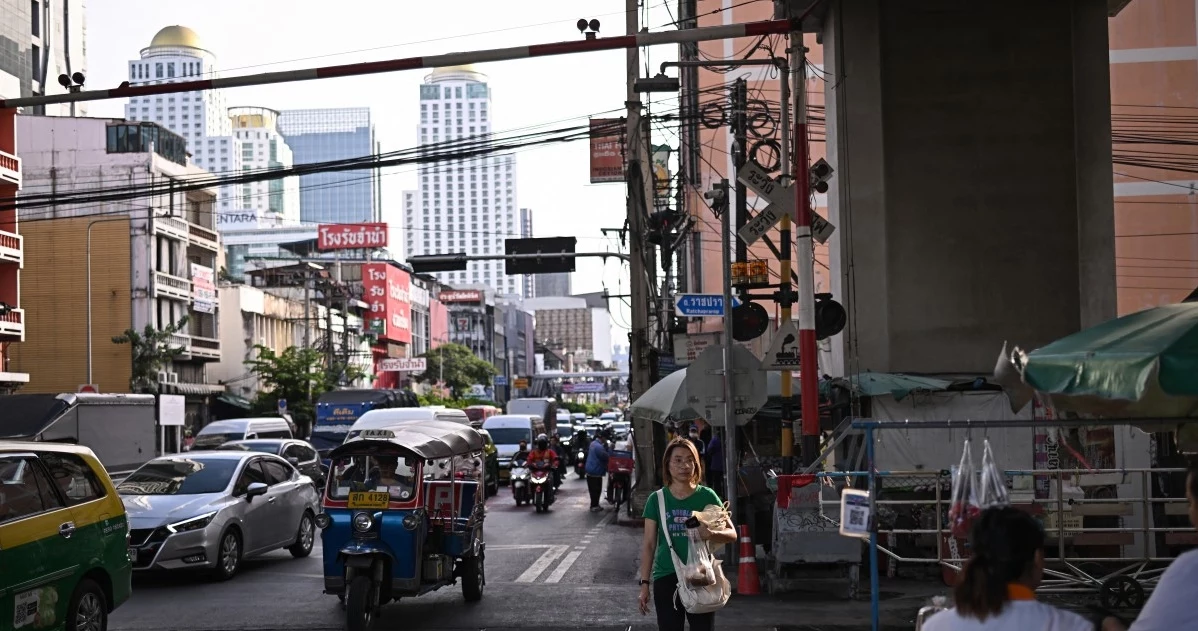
(382, 418)
(217, 433)
(507, 430)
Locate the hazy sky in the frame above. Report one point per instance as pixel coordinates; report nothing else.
(271, 35)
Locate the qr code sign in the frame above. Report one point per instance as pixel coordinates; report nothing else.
(857, 517)
(25, 608)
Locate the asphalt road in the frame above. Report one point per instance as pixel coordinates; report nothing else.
(569, 568)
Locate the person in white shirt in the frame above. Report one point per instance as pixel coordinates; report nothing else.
(1169, 606)
(995, 591)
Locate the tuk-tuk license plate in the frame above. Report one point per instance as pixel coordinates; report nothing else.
(369, 499)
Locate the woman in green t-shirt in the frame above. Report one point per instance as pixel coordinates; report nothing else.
(681, 471)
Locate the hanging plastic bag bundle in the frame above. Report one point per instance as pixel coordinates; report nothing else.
(994, 482)
(964, 508)
(700, 569)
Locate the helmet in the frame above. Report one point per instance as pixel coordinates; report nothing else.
(542, 442)
(543, 437)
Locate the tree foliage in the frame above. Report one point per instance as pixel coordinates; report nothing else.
(297, 375)
(457, 367)
(151, 351)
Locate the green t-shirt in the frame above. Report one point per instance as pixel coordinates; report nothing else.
(677, 512)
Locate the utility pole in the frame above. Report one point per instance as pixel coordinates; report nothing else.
(637, 177)
(740, 155)
(785, 289)
(808, 364)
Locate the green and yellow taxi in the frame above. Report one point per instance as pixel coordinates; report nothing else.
(64, 556)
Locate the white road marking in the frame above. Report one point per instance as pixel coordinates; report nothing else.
(541, 564)
(531, 546)
(564, 567)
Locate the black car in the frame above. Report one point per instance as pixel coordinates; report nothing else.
(301, 454)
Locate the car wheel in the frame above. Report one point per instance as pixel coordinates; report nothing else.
(88, 610)
(304, 537)
(228, 555)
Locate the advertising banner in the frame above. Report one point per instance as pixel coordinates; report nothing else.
(385, 288)
(607, 150)
(355, 236)
(589, 386)
(461, 295)
(394, 364)
(203, 289)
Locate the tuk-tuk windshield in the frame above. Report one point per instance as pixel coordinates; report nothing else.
(372, 473)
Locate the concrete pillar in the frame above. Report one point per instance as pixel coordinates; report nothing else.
(973, 188)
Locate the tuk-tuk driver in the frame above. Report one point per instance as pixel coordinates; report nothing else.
(385, 474)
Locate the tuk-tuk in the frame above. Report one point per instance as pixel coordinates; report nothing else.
(402, 515)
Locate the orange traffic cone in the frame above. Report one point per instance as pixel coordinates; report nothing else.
(747, 581)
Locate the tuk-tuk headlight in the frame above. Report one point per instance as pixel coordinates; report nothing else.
(363, 522)
(411, 521)
(323, 521)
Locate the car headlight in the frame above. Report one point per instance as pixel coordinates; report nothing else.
(363, 522)
(323, 521)
(195, 523)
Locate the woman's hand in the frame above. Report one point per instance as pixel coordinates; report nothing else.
(704, 532)
(644, 600)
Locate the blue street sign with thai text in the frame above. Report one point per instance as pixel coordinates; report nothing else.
(701, 305)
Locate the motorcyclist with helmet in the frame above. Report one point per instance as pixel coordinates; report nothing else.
(544, 456)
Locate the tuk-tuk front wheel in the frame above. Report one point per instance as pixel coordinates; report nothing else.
(473, 577)
(360, 603)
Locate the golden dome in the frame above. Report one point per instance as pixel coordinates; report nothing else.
(455, 70)
(176, 36)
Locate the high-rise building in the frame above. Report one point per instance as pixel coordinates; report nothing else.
(324, 135)
(262, 147)
(552, 285)
(200, 117)
(526, 233)
(42, 41)
(466, 205)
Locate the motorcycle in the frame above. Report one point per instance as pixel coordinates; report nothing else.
(541, 486)
(580, 463)
(520, 482)
(619, 476)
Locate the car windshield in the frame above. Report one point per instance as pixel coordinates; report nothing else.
(511, 435)
(214, 440)
(180, 476)
(266, 448)
(387, 474)
(565, 432)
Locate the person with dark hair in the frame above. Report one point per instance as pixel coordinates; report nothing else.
(1169, 605)
(995, 591)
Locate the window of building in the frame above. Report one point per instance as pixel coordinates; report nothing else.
(170, 70)
(458, 93)
(158, 70)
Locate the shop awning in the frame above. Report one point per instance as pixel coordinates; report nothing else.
(235, 401)
(195, 389)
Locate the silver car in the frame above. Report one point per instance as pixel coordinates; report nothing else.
(209, 510)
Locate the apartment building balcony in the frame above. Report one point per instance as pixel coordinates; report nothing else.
(10, 169)
(183, 341)
(202, 237)
(11, 248)
(172, 227)
(12, 326)
(168, 286)
(205, 348)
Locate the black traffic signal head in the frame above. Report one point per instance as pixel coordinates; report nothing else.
(830, 317)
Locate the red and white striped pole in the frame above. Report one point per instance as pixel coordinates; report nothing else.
(808, 366)
(728, 31)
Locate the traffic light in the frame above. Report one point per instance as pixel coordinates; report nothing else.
(830, 317)
(546, 263)
(429, 263)
(820, 173)
(661, 224)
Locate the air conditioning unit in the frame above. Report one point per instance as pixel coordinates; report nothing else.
(172, 377)
(163, 376)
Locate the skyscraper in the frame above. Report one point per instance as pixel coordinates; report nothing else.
(323, 135)
(41, 41)
(526, 233)
(466, 205)
(276, 201)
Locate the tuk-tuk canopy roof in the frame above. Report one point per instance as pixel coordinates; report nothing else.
(427, 439)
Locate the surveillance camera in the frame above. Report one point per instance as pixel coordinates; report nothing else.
(582, 25)
(64, 81)
(594, 25)
(78, 78)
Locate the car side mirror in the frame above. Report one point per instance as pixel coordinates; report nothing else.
(254, 489)
(293, 460)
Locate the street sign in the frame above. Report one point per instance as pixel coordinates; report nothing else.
(282, 406)
(500, 380)
(782, 201)
(89, 388)
(705, 384)
(520, 383)
(701, 305)
(403, 364)
(783, 353)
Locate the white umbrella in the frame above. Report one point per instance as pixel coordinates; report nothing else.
(666, 399)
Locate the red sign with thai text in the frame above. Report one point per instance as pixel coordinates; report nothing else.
(385, 288)
(351, 236)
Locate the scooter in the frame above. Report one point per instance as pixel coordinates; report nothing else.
(619, 476)
(521, 489)
(580, 464)
(541, 484)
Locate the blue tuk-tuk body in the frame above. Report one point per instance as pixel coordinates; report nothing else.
(403, 514)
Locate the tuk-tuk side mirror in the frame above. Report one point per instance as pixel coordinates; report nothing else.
(254, 489)
(293, 460)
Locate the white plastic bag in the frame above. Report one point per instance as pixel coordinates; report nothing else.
(994, 482)
(699, 570)
(698, 599)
